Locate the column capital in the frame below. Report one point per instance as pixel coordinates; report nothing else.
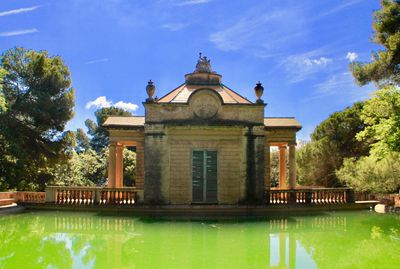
(119, 146)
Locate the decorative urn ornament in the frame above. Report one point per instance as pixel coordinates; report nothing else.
(150, 89)
(259, 90)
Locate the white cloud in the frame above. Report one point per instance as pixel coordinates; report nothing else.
(102, 102)
(351, 56)
(19, 32)
(99, 102)
(18, 11)
(98, 61)
(341, 86)
(322, 61)
(299, 67)
(174, 26)
(126, 106)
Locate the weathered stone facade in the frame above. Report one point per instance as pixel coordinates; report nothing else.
(201, 115)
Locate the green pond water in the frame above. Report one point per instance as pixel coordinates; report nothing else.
(35, 239)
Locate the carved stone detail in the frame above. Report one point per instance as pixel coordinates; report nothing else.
(205, 104)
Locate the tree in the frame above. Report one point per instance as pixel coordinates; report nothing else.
(332, 140)
(40, 101)
(385, 66)
(99, 134)
(82, 169)
(129, 167)
(82, 141)
(3, 106)
(381, 114)
(371, 175)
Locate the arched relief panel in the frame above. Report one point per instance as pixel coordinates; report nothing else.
(205, 103)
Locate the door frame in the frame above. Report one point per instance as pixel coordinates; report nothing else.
(191, 176)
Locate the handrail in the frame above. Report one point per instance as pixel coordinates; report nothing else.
(76, 195)
(310, 196)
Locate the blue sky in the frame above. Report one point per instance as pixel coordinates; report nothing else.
(299, 50)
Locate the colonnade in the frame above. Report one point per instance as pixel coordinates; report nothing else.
(116, 163)
(282, 147)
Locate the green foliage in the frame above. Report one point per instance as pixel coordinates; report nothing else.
(36, 89)
(82, 169)
(381, 115)
(371, 175)
(88, 168)
(316, 162)
(332, 140)
(97, 131)
(384, 68)
(129, 167)
(82, 141)
(3, 106)
(274, 164)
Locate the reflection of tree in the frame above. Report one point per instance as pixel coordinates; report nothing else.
(21, 237)
(366, 241)
(87, 240)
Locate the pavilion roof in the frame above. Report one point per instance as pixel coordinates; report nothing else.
(182, 93)
(282, 122)
(124, 121)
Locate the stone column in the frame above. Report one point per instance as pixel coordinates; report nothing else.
(111, 164)
(139, 181)
(156, 163)
(119, 166)
(282, 167)
(292, 165)
(267, 168)
(255, 165)
(259, 150)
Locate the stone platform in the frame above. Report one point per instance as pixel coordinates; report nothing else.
(205, 210)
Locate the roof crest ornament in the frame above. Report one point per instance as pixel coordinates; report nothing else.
(203, 65)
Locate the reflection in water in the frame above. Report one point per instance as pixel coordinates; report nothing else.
(87, 240)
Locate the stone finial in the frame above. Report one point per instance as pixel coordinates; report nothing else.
(150, 89)
(203, 65)
(259, 90)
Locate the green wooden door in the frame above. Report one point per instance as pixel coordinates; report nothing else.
(204, 176)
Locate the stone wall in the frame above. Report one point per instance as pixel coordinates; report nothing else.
(228, 141)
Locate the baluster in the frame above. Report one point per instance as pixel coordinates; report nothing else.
(90, 198)
(84, 197)
(73, 197)
(111, 197)
(124, 197)
(62, 192)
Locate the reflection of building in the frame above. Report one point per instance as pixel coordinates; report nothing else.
(126, 242)
(202, 143)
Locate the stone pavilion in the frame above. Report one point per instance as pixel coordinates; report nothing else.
(203, 143)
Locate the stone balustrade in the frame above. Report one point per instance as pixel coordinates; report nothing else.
(30, 197)
(127, 196)
(314, 196)
(22, 197)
